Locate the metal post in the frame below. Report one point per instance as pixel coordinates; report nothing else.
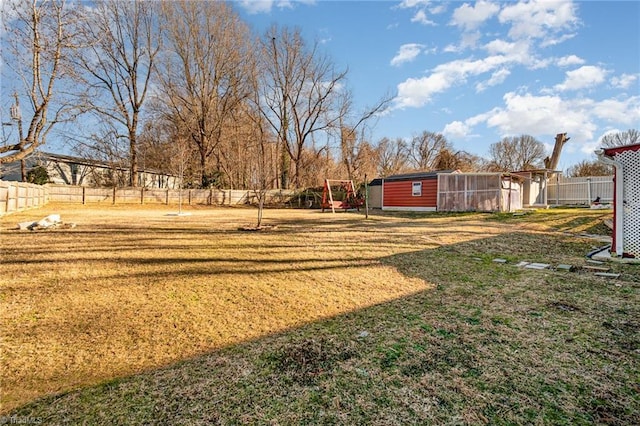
(366, 197)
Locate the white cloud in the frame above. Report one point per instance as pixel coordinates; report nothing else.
(540, 19)
(450, 48)
(422, 6)
(518, 52)
(591, 146)
(416, 92)
(438, 9)
(583, 77)
(467, 40)
(498, 77)
(567, 61)
(456, 130)
(549, 115)
(500, 47)
(471, 17)
(461, 69)
(256, 6)
(624, 81)
(407, 53)
(625, 111)
(421, 18)
(407, 4)
(264, 6)
(552, 41)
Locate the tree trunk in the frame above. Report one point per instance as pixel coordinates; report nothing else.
(285, 163)
(133, 181)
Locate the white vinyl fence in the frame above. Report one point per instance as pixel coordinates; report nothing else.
(580, 190)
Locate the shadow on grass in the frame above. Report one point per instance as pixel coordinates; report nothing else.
(491, 344)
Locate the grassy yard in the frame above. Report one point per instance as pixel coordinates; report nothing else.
(135, 316)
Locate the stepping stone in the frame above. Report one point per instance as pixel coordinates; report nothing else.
(537, 266)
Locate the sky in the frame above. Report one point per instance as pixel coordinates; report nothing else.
(474, 71)
(480, 71)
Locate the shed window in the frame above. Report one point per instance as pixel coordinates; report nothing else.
(416, 189)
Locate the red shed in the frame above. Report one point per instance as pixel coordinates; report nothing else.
(626, 198)
(411, 191)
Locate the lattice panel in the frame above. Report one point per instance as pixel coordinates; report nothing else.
(631, 215)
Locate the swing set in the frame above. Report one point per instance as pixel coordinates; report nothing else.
(340, 194)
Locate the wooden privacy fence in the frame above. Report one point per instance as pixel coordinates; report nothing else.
(580, 190)
(18, 196)
(219, 197)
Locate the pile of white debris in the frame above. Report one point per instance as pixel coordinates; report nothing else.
(49, 222)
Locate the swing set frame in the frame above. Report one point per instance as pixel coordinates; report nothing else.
(352, 199)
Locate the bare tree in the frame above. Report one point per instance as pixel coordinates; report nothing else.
(463, 161)
(349, 149)
(260, 174)
(204, 75)
(393, 157)
(516, 153)
(104, 145)
(589, 168)
(180, 150)
(316, 164)
(628, 137)
(424, 150)
(40, 38)
(551, 162)
(298, 88)
(243, 138)
(122, 39)
(354, 149)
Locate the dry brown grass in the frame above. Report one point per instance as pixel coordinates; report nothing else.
(128, 290)
(268, 321)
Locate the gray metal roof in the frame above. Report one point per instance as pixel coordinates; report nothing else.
(417, 175)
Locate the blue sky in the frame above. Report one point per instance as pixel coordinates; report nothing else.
(479, 71)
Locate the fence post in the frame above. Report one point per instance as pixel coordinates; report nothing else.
(167, 197)
(189, 193)
(557, 189)
(588, 191)
(84, 196)
(6, 207)
(142, 195)
(114, 195)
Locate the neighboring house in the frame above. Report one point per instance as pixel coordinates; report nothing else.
(69, 170)
(626, 198)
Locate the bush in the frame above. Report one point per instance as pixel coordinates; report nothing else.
(38, 175)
